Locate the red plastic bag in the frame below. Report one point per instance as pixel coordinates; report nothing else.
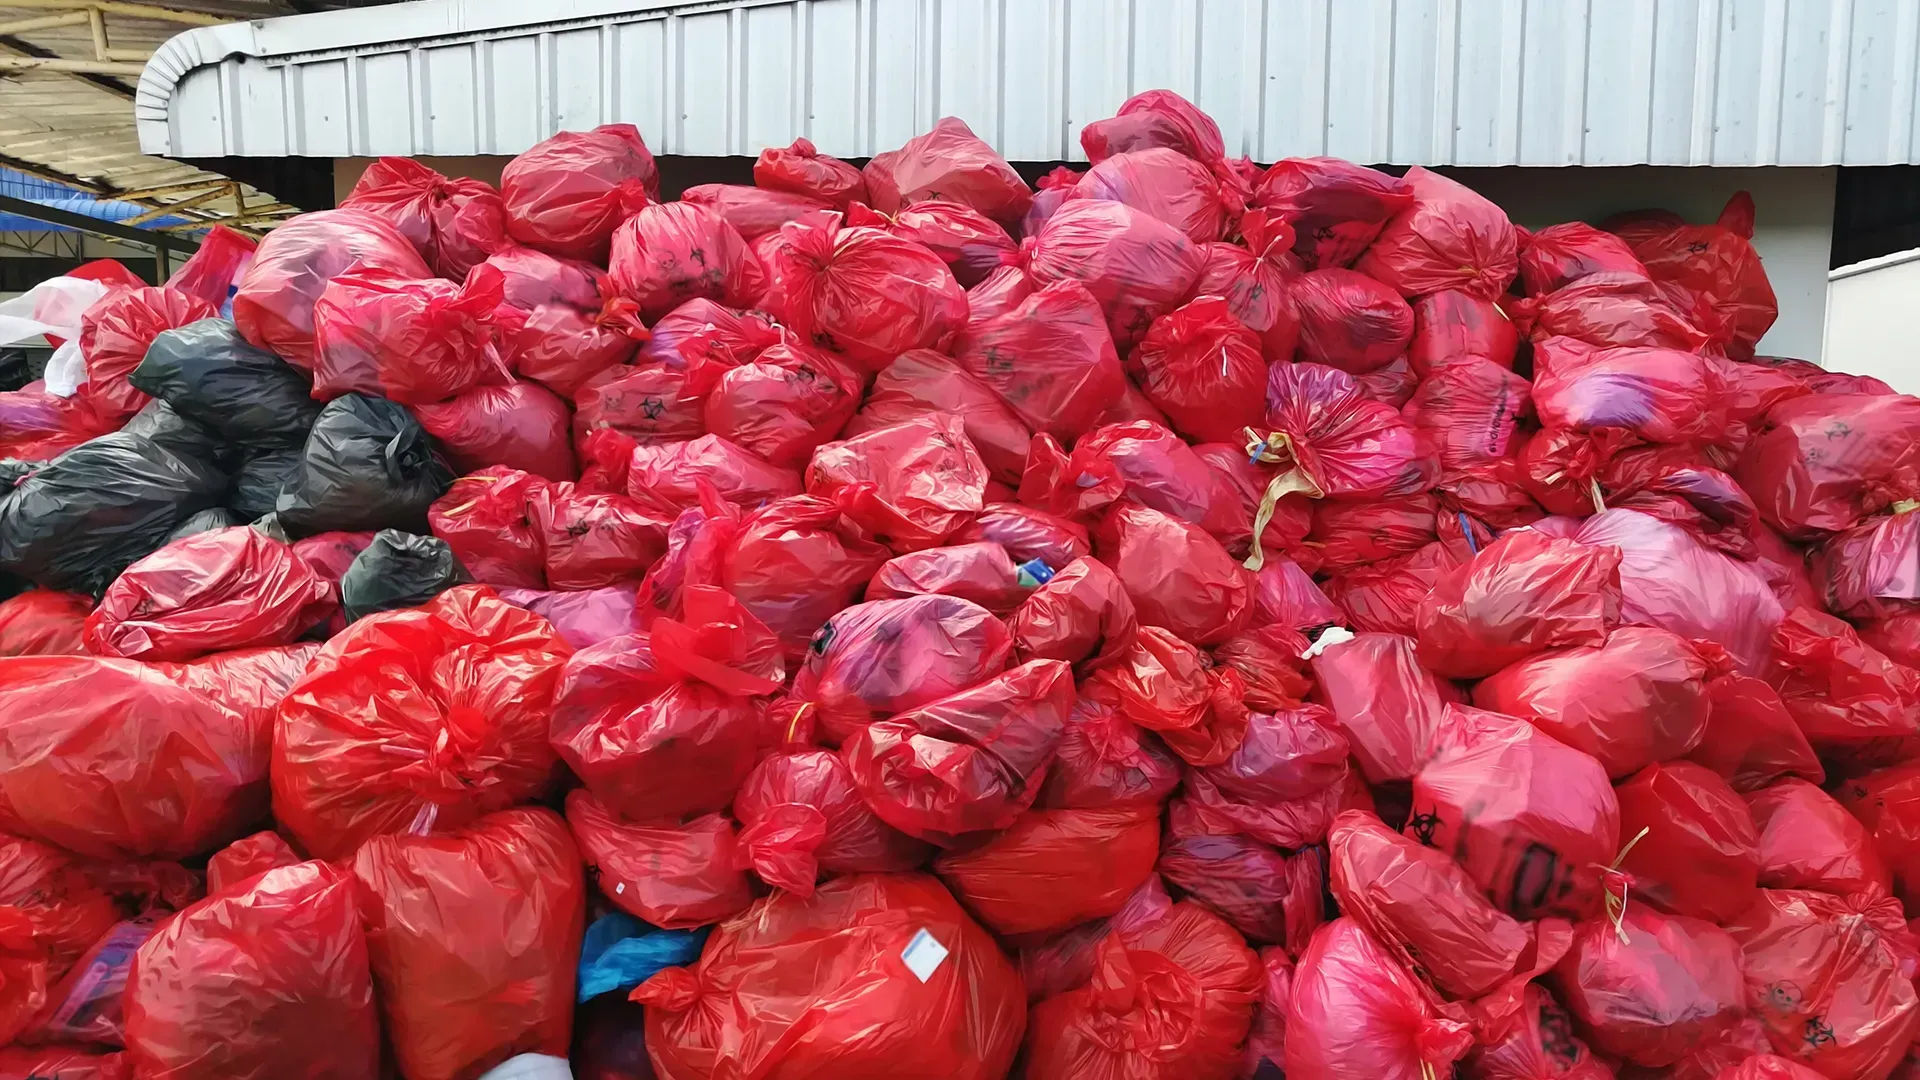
(1214, 808)
(1205, 369)
(1155, 118)
(1698, 851)
(1050, 358)
(269, 980)
(1613, 309)
(274, 305)
(923, 382)
(38, 426)
(802, 819)
(952, 163)
(115, 334)
(1831, 978)
(563, 347)
(1358, 1015)
(1850, 701)
(1179, 577)
(968, 762)
(1028, 533)
(1751, 739)
(1887, 803)
(1105, 760)
(64, 910)
(1422, 907)
(63, 1063)
(1170, 998)
(1287, 755)
(531, 280)
(1336, 208)
(226, 589)
(1348, 535)
(909, 486)
(1451, 327)
(863, 1012)
(1826, 461)
(795, 564)
(1254, 280)
(591, 540)
(1661, 395)
(1809, 841)
(1050, 193)
(1898, 636)
(1769, 1067)
(1470, 412)
(982, 573)
(1386, 597)
(1559, 255)
(1138, 462)
(705, 330)
(1064, 962)
(474, 937)
(1166, 684)
(971, 244)
(1541, 1046)
(521, 426)
(1268, 660)
(784, 403)
(214, 272)
(1054, 869)
(456, 224)
(672, 252)
(1531, 819)
(111, 759)
(1873, 569)
(568, 193)
(436, 713)
(863, 292)
(1082, 615)
(245, 858)
(1524, 593)
(1450, 238)
(486, 518)
(412, 341)
(1136, 266)
(674, 876)
(41, 622)
(752, 212)
(1286, 596)
(666, 477)
(1350, 321)
(1716, 262)
(803, 170)
(1649, 987)
(1637, 698)
(251, 682)
(1166, 184)
(666, 725)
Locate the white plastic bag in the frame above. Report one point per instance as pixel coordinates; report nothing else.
(53, 307)
(531, 1067)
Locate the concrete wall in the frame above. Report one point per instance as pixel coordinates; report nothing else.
(1872, 323)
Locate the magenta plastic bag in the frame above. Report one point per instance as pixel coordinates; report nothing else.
(1349, 320)
(583, 616)
(1137, 266)
(1336, 208)
(273, 307)
(862, 292)
(521, 425)
(1050, 358)
(673, 252)
(949, 162)
(982, 573)
(871, 661)
(1661, 395)
(1166, 184)
(1050, 193)
(1028, 534)
(1450, 238)
(568, 193)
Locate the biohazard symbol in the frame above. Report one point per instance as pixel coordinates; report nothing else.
(1819, 1033)
(1423, 827)
(653, 408)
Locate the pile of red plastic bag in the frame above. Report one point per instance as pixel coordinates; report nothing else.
(1189, 621)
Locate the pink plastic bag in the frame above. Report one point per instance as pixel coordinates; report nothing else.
(875, 660)
(1350, 321)
(1028, 534)
(795, 564)
(1825, 461)
(1179, 577)
(1390, 707)
(1155, 118)
(273, 307)
(804, 170)
(670, 253)
(1613, 309)
(1649, 987)
(972, 245)
(754, 212)
(1559, 255)
(1104, 759)
(923, 382)
(1137, 266)
(982, 573)
(1855, 706)
(949, 162)
(534, 279)
(666, 477)
(1356, 1014)
(1470, 411)
(520, 426)
(1661, 395)
(802, 818)
(1450, 238)
(1050, 193)
(862, 292)
(564, 347)
(1166, 184)
(1050, 358)
(1254, 281)
(1336, 208)
(456, 224)
(1522, 594)
(583, 616)
(411, 341)
(568, 193)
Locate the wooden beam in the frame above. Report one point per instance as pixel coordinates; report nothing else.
(70, 67)
(137, 194)
(267, 215)
(120, 7)
(160, 211)
(45, 22)
(97, 24)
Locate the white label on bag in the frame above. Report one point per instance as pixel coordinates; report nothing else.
(923, 955)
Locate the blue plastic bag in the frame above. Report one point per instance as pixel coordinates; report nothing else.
(620, 952)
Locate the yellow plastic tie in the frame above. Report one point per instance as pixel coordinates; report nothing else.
(1274, 449)
(1593, 492)
(1906, 506)
(1617, 905)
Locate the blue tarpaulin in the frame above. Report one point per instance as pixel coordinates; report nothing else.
(61, 197)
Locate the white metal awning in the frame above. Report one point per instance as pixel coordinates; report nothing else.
(1461, 82)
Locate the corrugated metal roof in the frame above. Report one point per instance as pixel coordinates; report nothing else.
(1463, 82)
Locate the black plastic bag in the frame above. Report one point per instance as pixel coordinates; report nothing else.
(258, 483)
(162, 423)
(367, 465)
(209, 373)
(399, 570)
(85, 516)
(214, 517)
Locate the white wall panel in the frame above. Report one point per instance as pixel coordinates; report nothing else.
(1465, 82)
